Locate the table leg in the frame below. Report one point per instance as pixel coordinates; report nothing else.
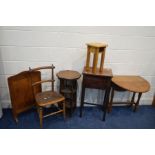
(72, 99)
(105, 102)
(133, 99)
(111, 101)
(64, 110)
(82, 99)
(137, 103)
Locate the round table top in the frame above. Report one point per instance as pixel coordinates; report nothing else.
(135, 84)
(68, 75)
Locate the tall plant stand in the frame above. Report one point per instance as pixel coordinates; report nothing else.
(68, 88)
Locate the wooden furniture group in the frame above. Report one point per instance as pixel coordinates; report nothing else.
(100, 78)
(26, 87)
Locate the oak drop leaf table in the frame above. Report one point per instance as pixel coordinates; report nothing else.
(134, 84)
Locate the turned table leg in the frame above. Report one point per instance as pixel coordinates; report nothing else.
(137, 103)
(132, 100)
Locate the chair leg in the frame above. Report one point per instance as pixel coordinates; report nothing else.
(40, 110)
(64, 110)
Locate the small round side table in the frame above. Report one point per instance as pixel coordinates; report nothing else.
(68, 88)
(135, 84)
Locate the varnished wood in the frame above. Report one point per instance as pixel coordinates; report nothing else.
(68, 88)
(43, 67)
(64, 110)
(21, 93)
(113, 89)
(53, 113)
(68, 75)
(52, 67)
(97, 45)
(88, 59)
(133, 98)
(137, 103)
(43, 81)
(96, 81)
(153, 102)
(135, 84)
(96, 49)
(95, 60)
(102, 61)
(41, 116)
(45, 98)
(111, 101)
(52, 82)
(105, 102)
(105, 72)
(48, 98)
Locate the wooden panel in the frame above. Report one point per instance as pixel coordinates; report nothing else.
(21, 92)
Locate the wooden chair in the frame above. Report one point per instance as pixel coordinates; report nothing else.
(46, 98)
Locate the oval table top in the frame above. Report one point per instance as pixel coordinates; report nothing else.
(135, 84)
(68, 75)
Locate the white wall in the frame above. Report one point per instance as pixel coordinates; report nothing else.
(131, 51)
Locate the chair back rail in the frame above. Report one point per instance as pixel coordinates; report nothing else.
(52, 67)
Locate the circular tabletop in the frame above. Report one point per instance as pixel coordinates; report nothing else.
(68, 75)
(135, 84)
